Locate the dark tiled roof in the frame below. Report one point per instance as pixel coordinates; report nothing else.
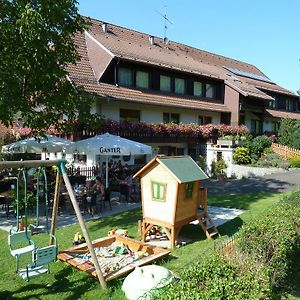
(135, 46)
(111, 92)
(282, 114)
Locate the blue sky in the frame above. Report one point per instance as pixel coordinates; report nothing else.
(265, 33)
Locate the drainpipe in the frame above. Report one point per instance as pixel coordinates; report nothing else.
(116, 77)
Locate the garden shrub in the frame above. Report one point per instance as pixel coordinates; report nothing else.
(272, 160)
(259, 268)
(216, 278)
(296, 135)
(285, 131)
(274, 239)
(258, 145)
(295, 161)
(241, 156)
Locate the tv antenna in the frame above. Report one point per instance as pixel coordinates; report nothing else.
(166, 22)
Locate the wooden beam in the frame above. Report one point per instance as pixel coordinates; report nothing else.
(29, 163)
(55, 204)
(83, 227)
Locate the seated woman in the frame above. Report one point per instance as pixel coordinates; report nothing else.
(97, 190)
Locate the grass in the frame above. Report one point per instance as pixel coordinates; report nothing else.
(66, 283)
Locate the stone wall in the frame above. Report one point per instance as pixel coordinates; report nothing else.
(239, 171)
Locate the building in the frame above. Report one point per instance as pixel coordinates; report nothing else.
(137, 77)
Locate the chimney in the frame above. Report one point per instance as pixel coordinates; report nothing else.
(105, 27)
(151, 40)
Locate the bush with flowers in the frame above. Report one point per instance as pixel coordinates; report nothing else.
(207, 131)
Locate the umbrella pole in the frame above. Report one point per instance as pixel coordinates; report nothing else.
(106, 172)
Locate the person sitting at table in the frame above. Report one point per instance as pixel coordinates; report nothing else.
(97, 191)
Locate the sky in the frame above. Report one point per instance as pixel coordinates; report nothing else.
(265, 33)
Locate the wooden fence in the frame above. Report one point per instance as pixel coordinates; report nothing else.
(89, 172)
(285, 151)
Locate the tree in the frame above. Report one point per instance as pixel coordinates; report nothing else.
(36, 45)
(285, 132)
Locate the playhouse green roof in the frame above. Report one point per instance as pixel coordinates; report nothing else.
(183, 168)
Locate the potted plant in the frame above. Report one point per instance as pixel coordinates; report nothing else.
(218, 169)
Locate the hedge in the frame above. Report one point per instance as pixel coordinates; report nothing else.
(258, 268)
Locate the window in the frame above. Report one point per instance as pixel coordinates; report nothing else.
(256, 126)
(289, 104)
(202, 120)
(271, 104)
(142, 79)
(210, 90)
(189, 189)
(130, 115)
(159, 191)
(171, 118)
(275, 126)
(198, 88)
(180, 151)
(79, 158)
(179, 86)
(125, 77)
(165, 83)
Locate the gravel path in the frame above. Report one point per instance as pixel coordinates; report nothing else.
(279, 182)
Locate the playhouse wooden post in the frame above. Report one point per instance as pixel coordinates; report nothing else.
(84, 229)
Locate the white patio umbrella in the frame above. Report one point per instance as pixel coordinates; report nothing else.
(49, 143)
(108, 145)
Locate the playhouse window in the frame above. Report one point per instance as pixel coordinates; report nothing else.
(189, 189)
(159, 191)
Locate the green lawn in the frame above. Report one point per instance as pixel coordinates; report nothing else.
(66, 283)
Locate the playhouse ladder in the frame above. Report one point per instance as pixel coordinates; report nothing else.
(208, 226)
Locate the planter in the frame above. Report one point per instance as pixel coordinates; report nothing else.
(221, 177)
(227, 143)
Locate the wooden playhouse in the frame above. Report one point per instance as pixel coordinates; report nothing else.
(170, 192)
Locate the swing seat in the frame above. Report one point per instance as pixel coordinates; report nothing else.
(41, 258)
(18, 238)
(26, 274)
(15, 240)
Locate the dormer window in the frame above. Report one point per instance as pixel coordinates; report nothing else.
(198, 90)
(165, 83)
(142, 79)
(179, 86)
(125, 77)
(210, 90)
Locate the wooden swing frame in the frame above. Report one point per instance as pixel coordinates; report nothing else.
(61, 176)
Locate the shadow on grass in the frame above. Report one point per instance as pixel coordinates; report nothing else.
(62, 284)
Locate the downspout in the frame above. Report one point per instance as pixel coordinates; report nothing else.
(116, 75)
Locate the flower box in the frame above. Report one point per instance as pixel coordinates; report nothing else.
(227, 143)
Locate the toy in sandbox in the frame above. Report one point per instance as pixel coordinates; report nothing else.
(172, 197)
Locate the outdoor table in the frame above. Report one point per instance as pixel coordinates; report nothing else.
(5, 200)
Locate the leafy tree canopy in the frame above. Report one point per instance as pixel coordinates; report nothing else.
(36, 45)
(285, 132)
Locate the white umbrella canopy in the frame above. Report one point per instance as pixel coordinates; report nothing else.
(108, 145)
(49, 143)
